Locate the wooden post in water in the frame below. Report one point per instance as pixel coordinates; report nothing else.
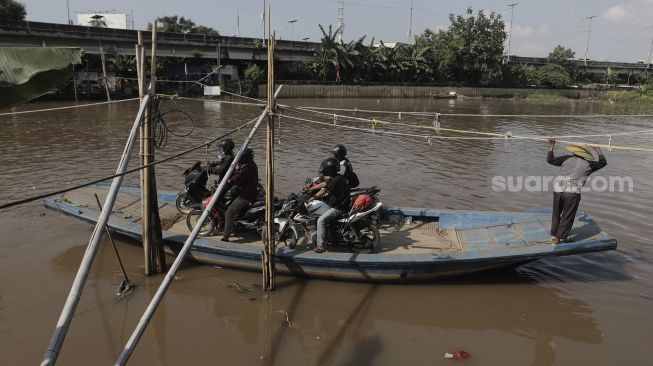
(156, 236)
(150, 221)
(269, 281)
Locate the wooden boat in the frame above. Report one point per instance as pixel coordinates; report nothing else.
(416, 244)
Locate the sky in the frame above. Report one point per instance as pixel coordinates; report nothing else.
(621, 31)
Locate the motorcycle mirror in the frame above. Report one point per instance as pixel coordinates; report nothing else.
(308, 181)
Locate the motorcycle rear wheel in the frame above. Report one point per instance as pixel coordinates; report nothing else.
(207, 228)
(370, 240)
(182, 204)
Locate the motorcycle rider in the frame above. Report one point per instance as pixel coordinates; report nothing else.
(224, 161)
(340, 153)
(345, 168)
(336, 194)
(246, 179)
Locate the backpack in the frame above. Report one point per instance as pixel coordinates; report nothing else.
(350, 176)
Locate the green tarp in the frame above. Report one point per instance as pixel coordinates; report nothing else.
(26, 73)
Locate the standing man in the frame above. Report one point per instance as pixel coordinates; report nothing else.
(246, 179)
(574, 170)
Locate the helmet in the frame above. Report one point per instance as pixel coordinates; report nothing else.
(227, 145)
(330, 167)
(339, 152)
(362, 202)
(247, 156)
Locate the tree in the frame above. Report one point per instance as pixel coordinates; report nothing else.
(563, 57)
(554, 76)
(11, 9)
(175, 24)
(477, 45)
(254, 73)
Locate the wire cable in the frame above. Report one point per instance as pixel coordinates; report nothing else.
(45, 195)
(68, 107)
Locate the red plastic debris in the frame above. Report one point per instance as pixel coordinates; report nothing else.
(458, 355)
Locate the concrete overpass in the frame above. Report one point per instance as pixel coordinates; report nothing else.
(622, 70)
(122, 41)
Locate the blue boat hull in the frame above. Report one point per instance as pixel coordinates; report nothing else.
(486, 240)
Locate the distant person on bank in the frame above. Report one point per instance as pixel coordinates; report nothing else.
(574, 170)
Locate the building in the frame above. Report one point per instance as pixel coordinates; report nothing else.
(103, 20)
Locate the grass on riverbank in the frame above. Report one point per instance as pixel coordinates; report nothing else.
(643, 94)
(545, 97)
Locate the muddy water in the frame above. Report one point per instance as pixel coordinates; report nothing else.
(585, 309)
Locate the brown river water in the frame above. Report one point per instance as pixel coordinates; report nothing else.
(592, 309)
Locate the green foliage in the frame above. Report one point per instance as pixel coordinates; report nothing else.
(122, 65)
(175, 24)
(477, 46)
(11, 9)
(254, 73)
(470, 51)
(611, 78)
(553, 75)
(520, 75)
(563, 57)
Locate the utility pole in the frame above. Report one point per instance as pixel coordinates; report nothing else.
(410, 24)
(70, 22)
(292, 35)
(512, 12)
(650, 50)
(263, 21)
(589, 31)
(341, 19)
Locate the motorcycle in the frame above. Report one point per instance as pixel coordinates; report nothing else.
(356, 230)
(195, 179)
(253, 218)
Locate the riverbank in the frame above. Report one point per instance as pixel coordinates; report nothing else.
(403, 91)
(642, 94)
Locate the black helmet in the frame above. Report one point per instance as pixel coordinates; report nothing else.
(339, 152)
(247, 156)
(330, 167)
(227, 145)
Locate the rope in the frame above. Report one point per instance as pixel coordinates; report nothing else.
(223, 101)
(428, 138)
(45, 195)
(68, 107)
(432, 114)
(375, 121)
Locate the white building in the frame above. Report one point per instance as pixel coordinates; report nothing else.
(103, 20)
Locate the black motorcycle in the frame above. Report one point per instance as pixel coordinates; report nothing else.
(195, 179)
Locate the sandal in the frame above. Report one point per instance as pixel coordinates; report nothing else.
(319, 249)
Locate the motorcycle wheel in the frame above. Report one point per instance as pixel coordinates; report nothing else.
(182, 204)
(370, 240)
(207, 228)
(289, 238)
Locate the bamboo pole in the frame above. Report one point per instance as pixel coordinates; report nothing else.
(269, 282)
(156, 299)
(145, 186)
(157, 255)
(56, 342)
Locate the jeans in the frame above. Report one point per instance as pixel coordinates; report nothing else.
(235, 208)
(323, 222)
